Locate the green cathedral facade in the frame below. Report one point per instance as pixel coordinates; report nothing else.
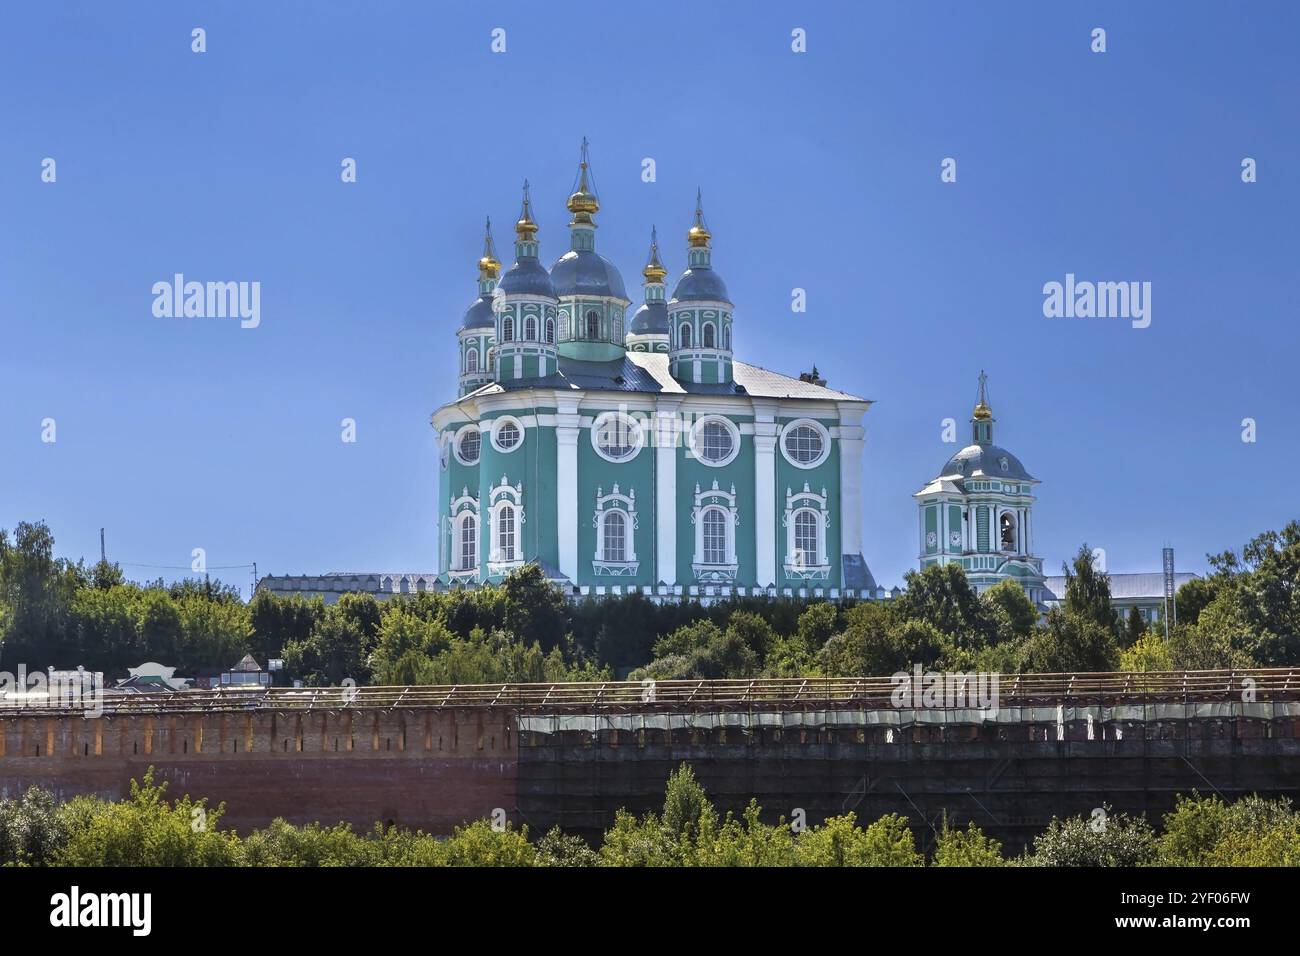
(630, 450)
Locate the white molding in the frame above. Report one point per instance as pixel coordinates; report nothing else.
(821, 432)
(623, 505)
(765, 439)
(693, 440)
(504, 495)
(797, 565)
(455, 443)
(495, 429)
(712, 499)
(666, 444)
(634, 432)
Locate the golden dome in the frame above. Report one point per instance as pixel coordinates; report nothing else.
(982, 412)
(654, 270)
(525, 228)
(489, 267)
(698, 235)
(583, 202)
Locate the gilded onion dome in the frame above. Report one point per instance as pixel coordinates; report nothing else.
(527, 276)
(700, 282)
(582, 271)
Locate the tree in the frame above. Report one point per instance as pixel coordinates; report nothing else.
(1103, 839)
(1087, 591)
(1134, 627)
(839, 842)
(1013, 614)
(818, 623)
(1149, 653)
(969, 847)
(941, 595)
(686, 806)
(1071, 642)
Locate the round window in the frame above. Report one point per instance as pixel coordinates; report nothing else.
(506, 434)
(616, 437)
(804, 444)
(715, 441)
(468, 445)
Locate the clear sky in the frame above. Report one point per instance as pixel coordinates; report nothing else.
(820, 171)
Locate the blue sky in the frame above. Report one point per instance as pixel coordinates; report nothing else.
(820, 171)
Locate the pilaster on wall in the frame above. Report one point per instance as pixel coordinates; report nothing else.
(765, 493)
(852, 441)
(566, 485)
(667, 435)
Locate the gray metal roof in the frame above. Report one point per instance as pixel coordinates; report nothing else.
(586, 273)
(650, 319)
(984, 461)
(1147, 584)
(527, 277)
(648, 372)
(479, 315)
(700, 283)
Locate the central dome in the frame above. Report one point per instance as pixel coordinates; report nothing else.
(586, 272)
(985, 461)
(700, 284)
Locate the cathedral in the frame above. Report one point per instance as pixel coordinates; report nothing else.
(629, 450)
(977, 512)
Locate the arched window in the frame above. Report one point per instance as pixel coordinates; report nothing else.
(807, 534)
(507, 329)
(550, 331)
(684, 336)
(468, 556)
(593, 324)
(615, 533)
(530, 329)
(726, 337)
(715, 536)
(471, 360)
(1008, 526)
(506, 533)
(706, 336)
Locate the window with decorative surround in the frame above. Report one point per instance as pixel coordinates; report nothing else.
(506, 517)
(463, 547)
(715, 517)
(806, 520)
(615, 522)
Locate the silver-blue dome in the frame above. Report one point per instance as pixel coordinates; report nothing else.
(985, 461)
(586, 273)
(650, 319)
(527, 277)
(479, 315)
(700, 284)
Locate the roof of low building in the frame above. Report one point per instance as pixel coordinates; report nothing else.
(1136, 586)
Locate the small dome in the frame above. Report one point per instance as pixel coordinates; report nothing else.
(527, 277)
(650, 319)
(700, 284)
(586, 273)
(479, 315)
(985, 461)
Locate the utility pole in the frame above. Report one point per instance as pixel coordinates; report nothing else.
(254, 590)
(103, 557)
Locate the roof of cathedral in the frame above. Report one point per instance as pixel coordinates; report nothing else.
(650, 319)
(527, 277)
(479, 314)
(586, 272)
(648, 372)
(700, 284)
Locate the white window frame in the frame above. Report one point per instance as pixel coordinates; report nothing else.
(495, 433)
(463, 507)
(624, 505)
(799, 565)
(634, 431)
(818, 427)
(715, 498)
(502, 496)
(697, 438)
(456, 445)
